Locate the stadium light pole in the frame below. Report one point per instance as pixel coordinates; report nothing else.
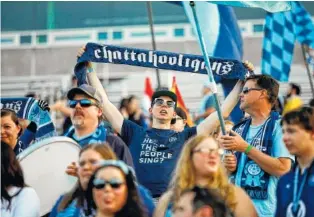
(152, 33)
(304, 48)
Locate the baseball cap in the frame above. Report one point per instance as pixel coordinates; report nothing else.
(85, 89)
(168, 93)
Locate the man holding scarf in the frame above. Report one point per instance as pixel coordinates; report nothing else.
(155, 151)
(260, 155)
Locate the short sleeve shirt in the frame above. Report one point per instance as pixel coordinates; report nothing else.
(266, 208)
(155, 153)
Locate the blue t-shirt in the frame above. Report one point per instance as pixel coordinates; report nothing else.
(285, 194)
(266, 208)
(207, 102)
(147, 199)
(155, 153)
(71, 211)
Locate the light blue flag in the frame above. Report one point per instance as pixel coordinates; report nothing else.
(219, 28)
(270, 6)
(280, 34)
(222, 37)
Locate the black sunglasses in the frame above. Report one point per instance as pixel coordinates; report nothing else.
(161, 102)
(101, 183)
(83, 103)
(246, 90)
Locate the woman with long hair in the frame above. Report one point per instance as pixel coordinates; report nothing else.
(112, 191)
(200, 164)
(73, 203)
(17, 199)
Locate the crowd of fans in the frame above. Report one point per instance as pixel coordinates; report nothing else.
(137, 166)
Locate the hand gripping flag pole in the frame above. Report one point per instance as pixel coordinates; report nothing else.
(212, 82)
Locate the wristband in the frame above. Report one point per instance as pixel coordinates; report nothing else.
(248, 149)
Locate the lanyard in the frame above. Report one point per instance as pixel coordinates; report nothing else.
(296, 194)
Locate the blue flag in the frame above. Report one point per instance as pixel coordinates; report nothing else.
(280, 33)
(219, 28)
(222, 36)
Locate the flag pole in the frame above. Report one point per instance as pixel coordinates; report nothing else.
(150, 18)
(212, 82)
(307, 68)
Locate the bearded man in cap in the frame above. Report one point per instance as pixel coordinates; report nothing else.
(89, 124)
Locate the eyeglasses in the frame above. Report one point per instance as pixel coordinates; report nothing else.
(160, 102)
(101, 183)
(83, 102)
(208, 151)
(246, 90)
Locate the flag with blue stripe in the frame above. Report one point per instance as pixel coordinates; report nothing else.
(280, 33)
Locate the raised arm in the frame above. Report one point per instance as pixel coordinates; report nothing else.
(111, 113)
(211, 122)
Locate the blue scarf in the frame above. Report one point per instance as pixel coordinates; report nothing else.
(71, 211)
(24, 141)
(98, 136)
(253, 179)
(28, 108)
(222, 68)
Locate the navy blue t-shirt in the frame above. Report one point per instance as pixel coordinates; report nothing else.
(285, 195)
(155, 153)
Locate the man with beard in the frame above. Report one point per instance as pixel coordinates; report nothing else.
(88, 122)
(261, 157)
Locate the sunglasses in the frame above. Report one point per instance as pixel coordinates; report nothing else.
(207, 151)
(83, 102)
(246, 90)
(160, 102)
(101, 183)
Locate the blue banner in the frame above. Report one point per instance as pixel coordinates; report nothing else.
(222, 68)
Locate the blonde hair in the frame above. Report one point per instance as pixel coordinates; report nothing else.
(184, 175)
(218, 128)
